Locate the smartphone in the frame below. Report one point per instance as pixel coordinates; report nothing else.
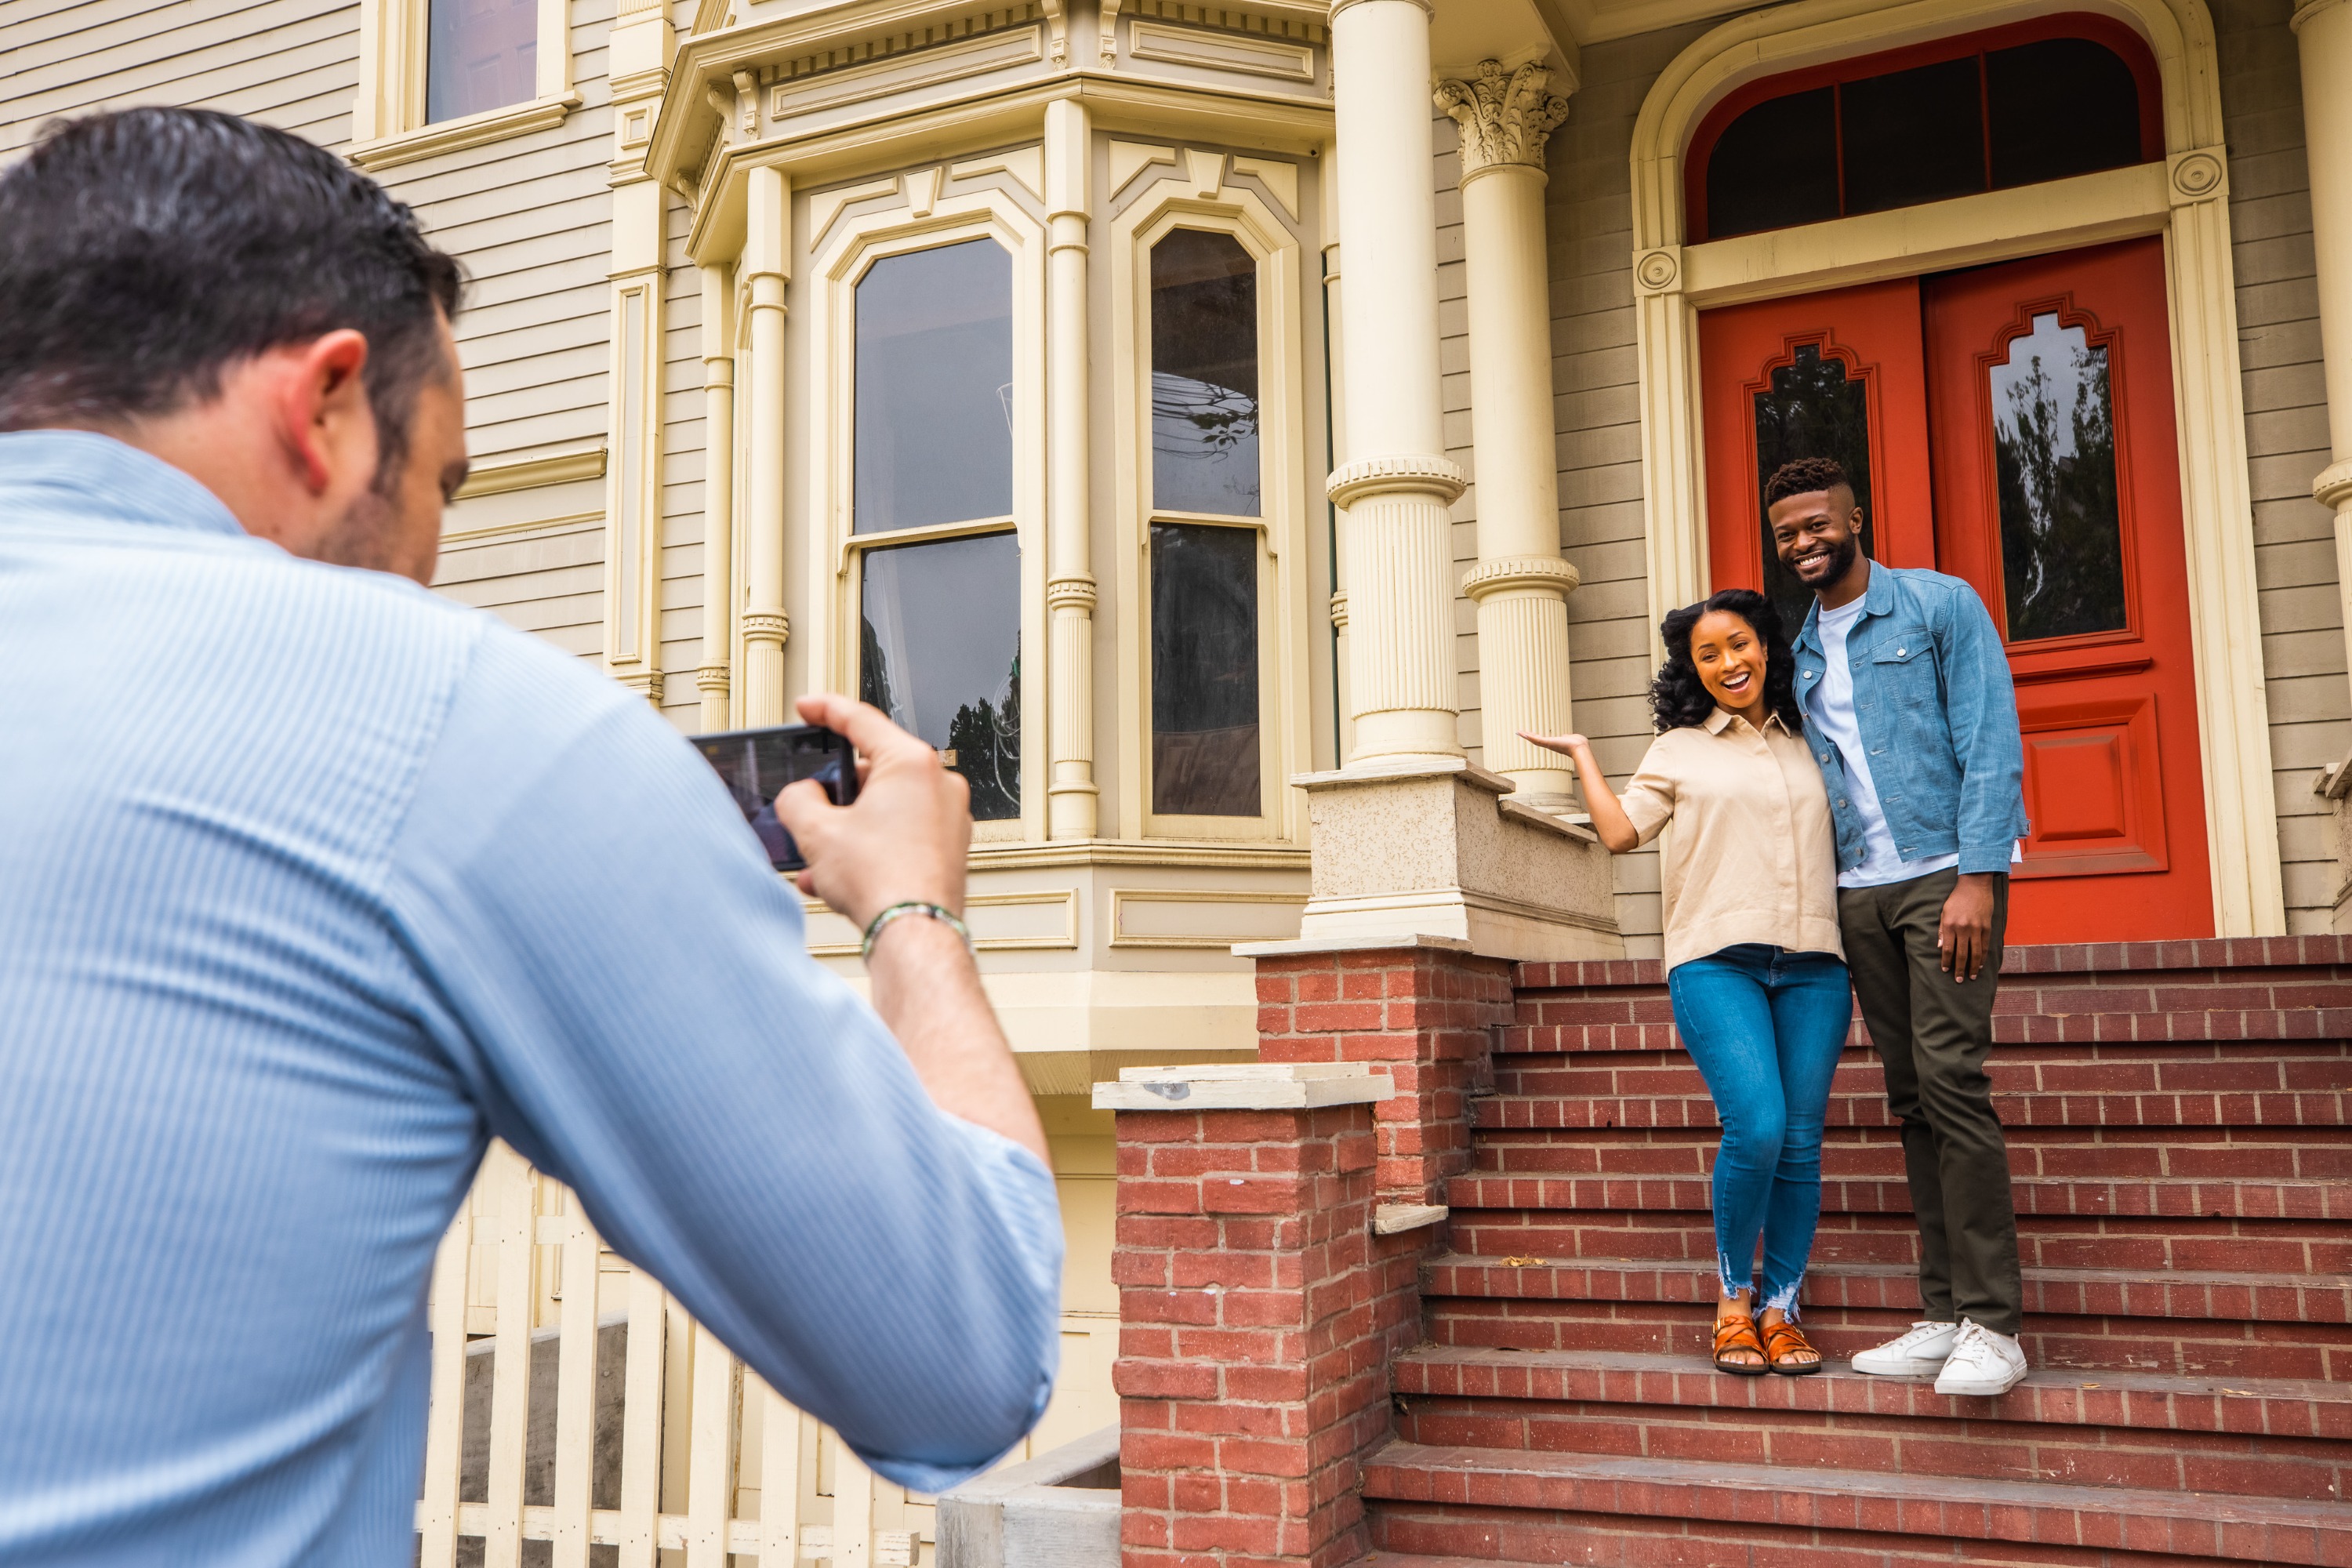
(756, 765)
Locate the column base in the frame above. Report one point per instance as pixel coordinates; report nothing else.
(1426, 852)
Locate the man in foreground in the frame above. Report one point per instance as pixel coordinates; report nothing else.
(311, 882)
(1913, 719)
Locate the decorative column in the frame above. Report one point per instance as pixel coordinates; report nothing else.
(713, 680)
(767, 236)
(1520, 584)
(641, 45)
(1070, 793)
(2323, 31)
(1395, 485)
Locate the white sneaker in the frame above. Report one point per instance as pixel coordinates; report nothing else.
(1982, 1363)
(1919, 1354)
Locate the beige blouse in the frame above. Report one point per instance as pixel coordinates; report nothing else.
(1752, 857)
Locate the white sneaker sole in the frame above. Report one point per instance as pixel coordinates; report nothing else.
(1907, 1367)
(1979, 1388)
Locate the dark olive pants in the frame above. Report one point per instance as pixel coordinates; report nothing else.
(1933, 1034)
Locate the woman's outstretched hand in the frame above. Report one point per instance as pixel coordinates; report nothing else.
(1565, 745)
(1610, 823)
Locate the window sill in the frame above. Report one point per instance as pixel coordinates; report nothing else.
(457, 135)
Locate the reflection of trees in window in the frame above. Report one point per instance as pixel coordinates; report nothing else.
(479, 55)
(1204, 672)
(1811, 410)
(940, 651)
(1204, 408)
(2054, 464)
(934, 420)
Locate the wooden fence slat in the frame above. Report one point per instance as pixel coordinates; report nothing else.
(711, 1472)
(445, 1427)
(641, 1424)
(779, 1480)
(852, 1509)
(517, 1229)
(575, 1391)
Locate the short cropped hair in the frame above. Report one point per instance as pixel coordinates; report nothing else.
(1802, 477)
(145, 251)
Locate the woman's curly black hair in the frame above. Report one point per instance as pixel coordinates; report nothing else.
(1679, 699)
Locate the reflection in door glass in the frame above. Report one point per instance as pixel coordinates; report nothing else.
(1204, 672)
(941, 653)
(1811, 410)
(479, 55)
(1203, 375)
(2061, 554)
(934, 431)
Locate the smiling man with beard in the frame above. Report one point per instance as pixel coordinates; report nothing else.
(1912, 716)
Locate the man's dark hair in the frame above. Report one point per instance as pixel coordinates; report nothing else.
(1802, 477)
(1679, 699)
(142, 252)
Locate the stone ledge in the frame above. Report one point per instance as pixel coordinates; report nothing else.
(1245, 1085)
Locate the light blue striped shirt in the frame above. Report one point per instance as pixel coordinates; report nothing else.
(310, 883)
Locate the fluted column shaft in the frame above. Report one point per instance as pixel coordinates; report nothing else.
(2323, 31)
(1520, 583)
(767, 233)
(714, 677)
(1396, 484)
(1069, 576)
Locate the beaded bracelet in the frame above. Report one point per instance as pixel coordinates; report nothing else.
(946, 917)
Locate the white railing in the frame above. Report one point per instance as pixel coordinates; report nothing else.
(521, 1443)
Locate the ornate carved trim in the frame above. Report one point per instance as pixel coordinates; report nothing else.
(1659, 271)
(713, 679)
(1420, 471)
(2332, 488)
(1521, 572)
(1071, 592)
(1505, 118)
(767, 626)
(2201, 175)
(1339, 611)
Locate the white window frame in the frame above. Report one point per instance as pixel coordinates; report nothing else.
(1182, 198)
(388, 125)
(841, 251)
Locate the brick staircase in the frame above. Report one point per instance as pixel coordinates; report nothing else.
(2177, 1122)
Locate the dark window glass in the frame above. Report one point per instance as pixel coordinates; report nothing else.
(2060, 107)
(934, 431)
(2061, 554)
(1203, 375)
(1912, 136)
(1775, 165)
(941, 653)
(1811, 410)
(479, 55)
(1205, 671)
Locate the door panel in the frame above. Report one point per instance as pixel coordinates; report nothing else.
(2057, 494)
(1837, 375)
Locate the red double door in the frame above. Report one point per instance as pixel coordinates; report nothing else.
(2012, 426)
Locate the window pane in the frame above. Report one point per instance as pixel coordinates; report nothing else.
(479, 55)
(1775, 165)
(935, 387)
(2061, 554)
(1203, 375)
(941, 653)
(1912, 136)
(1205, 671)
(1811, 411)
(2060, 107)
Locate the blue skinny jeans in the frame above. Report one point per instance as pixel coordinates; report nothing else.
(1766, 1027)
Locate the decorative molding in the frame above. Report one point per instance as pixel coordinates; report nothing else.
(714, 679)
(1025, 164)
(2201, 175)
(2307, 11)
(499, 476)
(976, 906)
(1279, 176)
(1422, 472)
(1339, 611)
(457, 135)
(645, 683)
(1129, 158)
(922, 188)
(940, 62)
(1241, 53)
(1659, 271)
(1505, 117)
(1122, 897)
(528, 526)
(1207, 170)
(1071, 594)
(2332, 488)
(766, 626)
(1549, 572)
(825, 206)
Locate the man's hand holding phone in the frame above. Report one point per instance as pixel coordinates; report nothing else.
(904, 840)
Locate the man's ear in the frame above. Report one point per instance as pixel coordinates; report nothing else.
(323, 415)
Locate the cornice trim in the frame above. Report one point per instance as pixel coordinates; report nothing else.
(499, 476)
(457, 135)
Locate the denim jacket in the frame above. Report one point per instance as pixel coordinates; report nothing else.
(1937, 713)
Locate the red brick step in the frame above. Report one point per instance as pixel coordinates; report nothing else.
(1511, 1504)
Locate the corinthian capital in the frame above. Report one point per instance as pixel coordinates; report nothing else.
(1504, 118)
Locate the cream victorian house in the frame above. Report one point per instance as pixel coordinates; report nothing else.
(1222, 429)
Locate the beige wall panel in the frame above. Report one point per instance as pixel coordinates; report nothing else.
(682, 472)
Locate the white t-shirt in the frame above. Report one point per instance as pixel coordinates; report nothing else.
(1831, 706)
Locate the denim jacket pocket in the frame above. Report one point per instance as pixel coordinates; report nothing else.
(1904, 666)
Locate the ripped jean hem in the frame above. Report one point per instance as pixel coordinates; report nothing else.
(1784, 1300)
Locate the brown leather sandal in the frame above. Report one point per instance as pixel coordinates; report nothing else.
(1784, 1342)
(1739, 1334)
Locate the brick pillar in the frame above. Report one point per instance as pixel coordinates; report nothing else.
(1256, 1318)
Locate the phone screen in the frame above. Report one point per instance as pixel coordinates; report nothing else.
(757, 764)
